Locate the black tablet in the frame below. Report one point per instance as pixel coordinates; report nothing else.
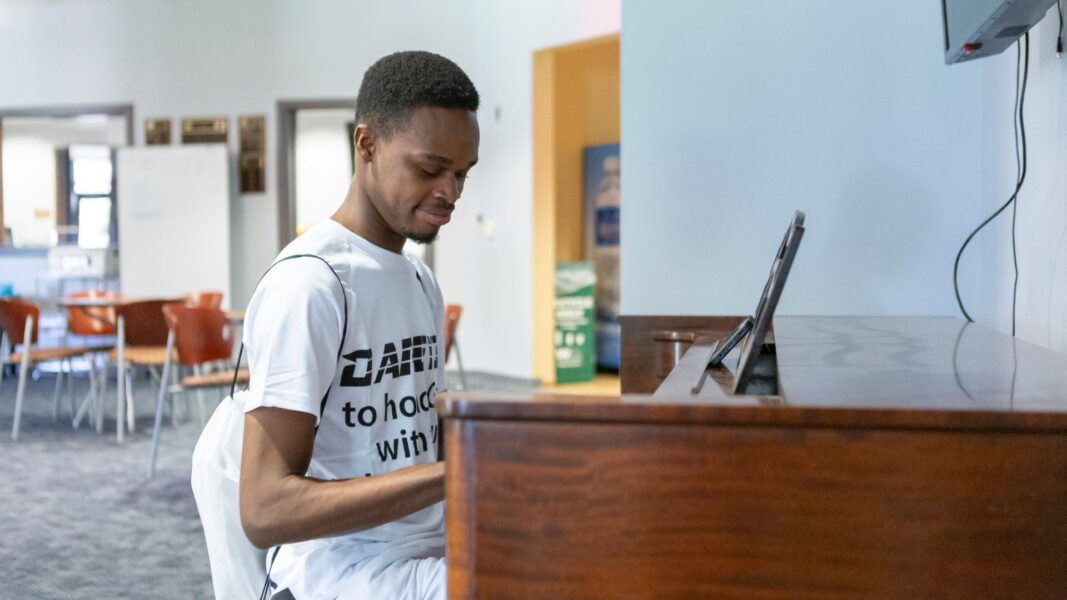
(772, 291)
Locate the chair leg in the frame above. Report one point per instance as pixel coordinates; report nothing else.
(175, 377)
(163, 383)
(55, 394)
(70, 387)
(101, 391)
(129, 401)
(459, 362)
(3, 357)
(101, 396)
(197, 370)
(88, 404)
(24, 369)
(120, 385)
(94, 387)
(155, 376)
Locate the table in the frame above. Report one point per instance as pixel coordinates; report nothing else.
(902, 457)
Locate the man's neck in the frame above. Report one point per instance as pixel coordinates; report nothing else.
(358, 215)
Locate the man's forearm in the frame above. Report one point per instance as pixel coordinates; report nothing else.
(299, 508)
(279, 504)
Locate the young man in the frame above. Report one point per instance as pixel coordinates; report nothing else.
(339, 463)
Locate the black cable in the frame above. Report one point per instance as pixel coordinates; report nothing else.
(1059, 37)
(1015, 113)
(1020, 95)
(1022, 177)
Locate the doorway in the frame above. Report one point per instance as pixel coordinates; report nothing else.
(58, 203)
(576, 106)
(57, 174)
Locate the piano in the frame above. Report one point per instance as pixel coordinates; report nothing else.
(894, 458)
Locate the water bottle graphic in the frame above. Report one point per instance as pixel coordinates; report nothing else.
(606, 261)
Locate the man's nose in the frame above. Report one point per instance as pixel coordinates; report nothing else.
(450, 189)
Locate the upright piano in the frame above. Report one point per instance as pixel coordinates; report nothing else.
(894, 458)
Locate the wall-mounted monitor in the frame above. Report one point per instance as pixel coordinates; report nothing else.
(977, 28)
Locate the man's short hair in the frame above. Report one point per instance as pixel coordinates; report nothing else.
(396, 84)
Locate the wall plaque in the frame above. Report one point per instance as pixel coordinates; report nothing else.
(252, 158)
(205, 130)
(156, 132)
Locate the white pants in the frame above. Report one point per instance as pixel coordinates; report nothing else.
(404, 579)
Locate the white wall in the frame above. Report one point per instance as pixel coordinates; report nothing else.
(202, 58)
(736, 113)
(20, 269)
(1041, 228)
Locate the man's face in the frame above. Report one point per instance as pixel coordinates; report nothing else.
(416, 175)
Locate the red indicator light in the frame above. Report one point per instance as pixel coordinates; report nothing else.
(968, 48)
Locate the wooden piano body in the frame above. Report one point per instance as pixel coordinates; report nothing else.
(900, 458)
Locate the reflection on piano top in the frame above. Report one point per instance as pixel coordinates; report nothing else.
(922, 363)
(839, 371)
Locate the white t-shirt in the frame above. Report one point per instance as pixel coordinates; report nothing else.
(379, 415)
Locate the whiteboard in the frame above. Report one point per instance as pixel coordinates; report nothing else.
(174, 220)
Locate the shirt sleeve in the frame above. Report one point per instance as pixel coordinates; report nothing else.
(292, 333)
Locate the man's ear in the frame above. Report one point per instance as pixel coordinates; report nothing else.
(364, 140)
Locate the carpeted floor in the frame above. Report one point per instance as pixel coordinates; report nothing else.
(79, 518)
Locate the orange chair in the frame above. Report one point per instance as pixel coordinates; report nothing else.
(142, 341)
(90, 322)
(201, 336)
(452, 314)
(206, 299)
(19, 323)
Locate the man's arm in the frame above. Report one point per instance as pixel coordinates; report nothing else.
(280, 504)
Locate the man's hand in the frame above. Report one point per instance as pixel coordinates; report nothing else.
(280, 504)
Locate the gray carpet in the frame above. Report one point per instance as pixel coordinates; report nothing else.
(79, 518)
